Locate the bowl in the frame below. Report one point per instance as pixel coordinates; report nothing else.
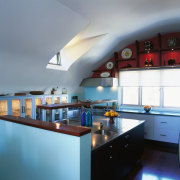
(147, 109)
(36, 92)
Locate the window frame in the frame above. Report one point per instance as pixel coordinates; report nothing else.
(160, 107)
(139, 105)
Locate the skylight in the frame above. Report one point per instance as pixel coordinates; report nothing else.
(72, 51)
(56, 63)
(56, 59)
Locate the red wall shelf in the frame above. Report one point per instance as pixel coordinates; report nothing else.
(131, 59)
(160, 55)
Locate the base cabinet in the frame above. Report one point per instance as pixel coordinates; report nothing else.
(116, 159)
(164, 128)
(148, 125)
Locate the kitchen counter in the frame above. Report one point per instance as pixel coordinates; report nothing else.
(65, 129)
(78, 104)
(119, 127)
(152, 112)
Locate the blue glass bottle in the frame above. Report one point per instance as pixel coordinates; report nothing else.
(88, 118)
(83, 118)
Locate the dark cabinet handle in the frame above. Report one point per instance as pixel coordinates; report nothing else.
(162, 135)
(23, 109)
(127, 136)
(125, 146)
(163, 122)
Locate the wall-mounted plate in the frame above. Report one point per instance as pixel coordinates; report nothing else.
(126, 53)
(109, 65)
(105, 74)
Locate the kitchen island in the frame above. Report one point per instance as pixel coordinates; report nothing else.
(32, 149)
(115, 147)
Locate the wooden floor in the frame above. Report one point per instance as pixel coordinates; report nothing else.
(157, 164)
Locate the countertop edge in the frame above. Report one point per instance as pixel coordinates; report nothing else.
(149, 113)
(50, 126)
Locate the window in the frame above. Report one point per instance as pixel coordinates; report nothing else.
(130, 95)
(172, 97)
(151, 96)
(159, 88)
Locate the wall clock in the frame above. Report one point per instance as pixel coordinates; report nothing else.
(109, 65)
(126, 53)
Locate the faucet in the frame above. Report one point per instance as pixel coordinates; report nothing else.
(101, 126)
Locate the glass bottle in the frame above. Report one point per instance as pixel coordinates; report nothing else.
(146, 62)
(88, 118)
(83, 118)
(150, 62)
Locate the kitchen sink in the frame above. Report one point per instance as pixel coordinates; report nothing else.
(105, 132)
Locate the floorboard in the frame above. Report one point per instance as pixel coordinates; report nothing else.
(157, 164)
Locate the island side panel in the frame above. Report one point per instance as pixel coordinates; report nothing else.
(28, 153)
(85, 157)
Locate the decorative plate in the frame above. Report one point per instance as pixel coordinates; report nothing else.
(105, 74)
(126, 53)
(109, 65)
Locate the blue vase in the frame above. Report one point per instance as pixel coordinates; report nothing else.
(83, 118)
(88, 118)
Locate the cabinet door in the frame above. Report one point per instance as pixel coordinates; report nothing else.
(3, 107)
(102, 163)
(37, 114)
(27, 107)
(48, 100)
(57, 113)
(16, 107)
(64, 99)
(127, 149)
(57, 99)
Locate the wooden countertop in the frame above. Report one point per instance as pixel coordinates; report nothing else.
(78, 104)
(65, 129)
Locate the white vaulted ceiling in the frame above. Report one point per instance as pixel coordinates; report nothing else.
(33, 31)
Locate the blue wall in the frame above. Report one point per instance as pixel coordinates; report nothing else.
(97, 93)
(80, 96)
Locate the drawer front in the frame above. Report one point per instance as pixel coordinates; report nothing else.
(167, 122)
(166, 135)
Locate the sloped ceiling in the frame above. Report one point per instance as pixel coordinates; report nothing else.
(26, 48)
